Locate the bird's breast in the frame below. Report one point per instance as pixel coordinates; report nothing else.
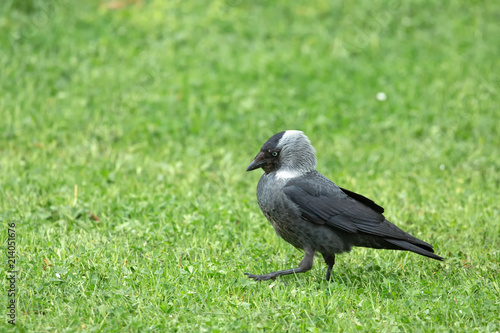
(270, 195)
(280, 211)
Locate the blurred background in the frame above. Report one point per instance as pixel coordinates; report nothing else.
(190, 81)
(132, 122)
(163, 93)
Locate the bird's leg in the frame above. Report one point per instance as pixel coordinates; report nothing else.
(330, 261)
(305, 265)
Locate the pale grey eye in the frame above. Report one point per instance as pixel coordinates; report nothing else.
(274, 153)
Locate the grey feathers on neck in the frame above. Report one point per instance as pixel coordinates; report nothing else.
(297, 155)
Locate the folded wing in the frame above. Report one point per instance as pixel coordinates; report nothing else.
(321, 201)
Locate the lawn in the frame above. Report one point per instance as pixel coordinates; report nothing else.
(126, 128)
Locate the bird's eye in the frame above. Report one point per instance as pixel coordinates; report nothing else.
(274, 153)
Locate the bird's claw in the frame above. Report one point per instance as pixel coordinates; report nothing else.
(260, 277)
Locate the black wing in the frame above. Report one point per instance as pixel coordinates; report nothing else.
(321, 201)
(364, 200)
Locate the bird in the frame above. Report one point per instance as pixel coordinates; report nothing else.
(315, 215)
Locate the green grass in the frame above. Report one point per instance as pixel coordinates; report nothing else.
(154, 111)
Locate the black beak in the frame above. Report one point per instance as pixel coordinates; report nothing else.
(257, 162)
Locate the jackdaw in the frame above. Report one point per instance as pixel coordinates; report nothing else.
(312, 213)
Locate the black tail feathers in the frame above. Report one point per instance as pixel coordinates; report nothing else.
(420, 249)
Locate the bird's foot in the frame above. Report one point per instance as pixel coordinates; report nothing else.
(262, 277)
